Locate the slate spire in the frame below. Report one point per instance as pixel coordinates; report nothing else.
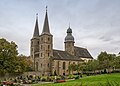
(36, 29)
(46, 29)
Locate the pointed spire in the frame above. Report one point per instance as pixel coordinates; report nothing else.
(46, 24)
(36, 30)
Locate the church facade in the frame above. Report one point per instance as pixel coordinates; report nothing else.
(49, 61)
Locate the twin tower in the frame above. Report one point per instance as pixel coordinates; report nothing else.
(42, 46)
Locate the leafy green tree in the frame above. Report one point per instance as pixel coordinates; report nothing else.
(94, 65)
(106, 61)
(72, 67)
(8, 55)
(116, 64)
(24, 64)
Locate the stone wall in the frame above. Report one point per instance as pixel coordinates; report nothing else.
(58, 66)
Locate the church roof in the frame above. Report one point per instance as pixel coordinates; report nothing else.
(63, 55)
(46, 29)
(82, 52)
(36, 30)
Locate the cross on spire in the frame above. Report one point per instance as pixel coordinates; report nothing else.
(36, 15)
(69, 24)
(46, 8)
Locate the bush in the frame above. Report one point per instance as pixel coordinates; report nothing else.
(71, 77)
(43, 79)
(77, 77)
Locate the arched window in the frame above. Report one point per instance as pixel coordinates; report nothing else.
(41, 47)
(48, 47)
(48, 54)
(32, 43)
(69, 63)
(63, 65)
(48, 65)
(73, 62)
(42, 39)
(38, 42)
(48, 39)
(36, 66)
(41, 65)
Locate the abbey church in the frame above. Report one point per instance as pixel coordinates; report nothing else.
(49, 61)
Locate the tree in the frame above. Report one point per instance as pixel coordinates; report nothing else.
(93, 65)
(10, 62)
(8, 55)
(116, 61)
(106, 60)
(82, 67)
(72, 67)
(24, 64)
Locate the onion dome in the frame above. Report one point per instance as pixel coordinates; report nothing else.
(69, 36)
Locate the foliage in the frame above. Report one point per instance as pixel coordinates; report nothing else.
(99, 80)
(106, 60)
(116, 62)
(72, 67)
(8, 56)
(24, 64)
(10, 62)
(105, 63)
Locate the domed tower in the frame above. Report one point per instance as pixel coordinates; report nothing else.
(69, 42)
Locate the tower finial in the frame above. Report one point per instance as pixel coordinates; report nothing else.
(36, 15)
(69, 24)
(46, 8)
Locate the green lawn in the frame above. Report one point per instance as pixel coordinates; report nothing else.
(98, 80)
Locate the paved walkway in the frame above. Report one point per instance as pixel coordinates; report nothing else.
(37, 83)
(43, 83)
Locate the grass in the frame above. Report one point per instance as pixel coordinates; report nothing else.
(98, 80)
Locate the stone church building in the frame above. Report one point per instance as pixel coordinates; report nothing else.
(47, 60)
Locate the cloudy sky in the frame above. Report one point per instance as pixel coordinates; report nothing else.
(95, 23)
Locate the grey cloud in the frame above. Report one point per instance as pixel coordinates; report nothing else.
(95, 23)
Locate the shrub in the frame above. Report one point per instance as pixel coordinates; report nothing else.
(71, 76)
(43, 79)
(77, 77)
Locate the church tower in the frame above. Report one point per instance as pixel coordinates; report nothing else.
(46, 47)
(35, 42)
(69, 42)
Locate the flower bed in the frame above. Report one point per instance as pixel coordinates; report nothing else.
(59, 81)
(7, 83)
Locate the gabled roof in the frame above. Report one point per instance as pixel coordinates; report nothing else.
(63, 55)
(82, 52)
